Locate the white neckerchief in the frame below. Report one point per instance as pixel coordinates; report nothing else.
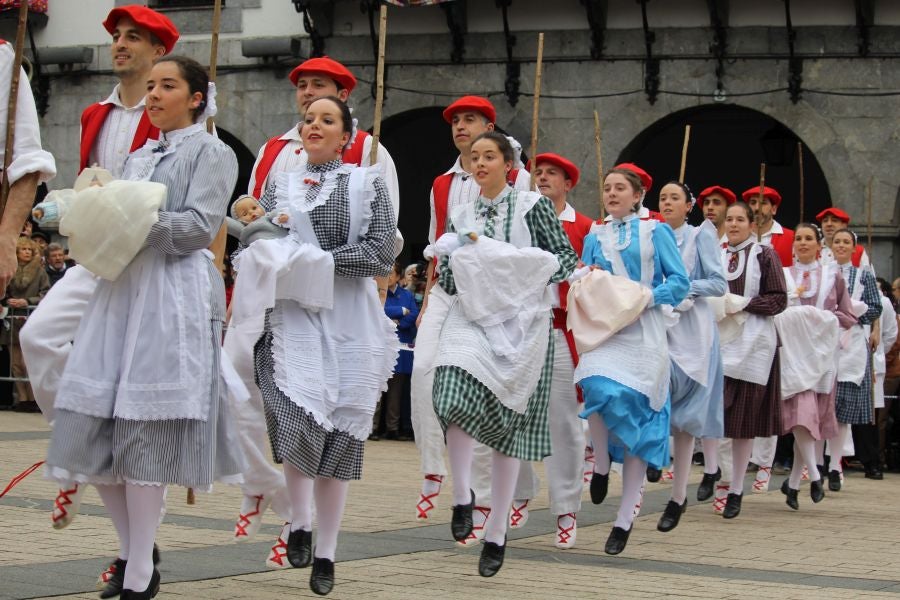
(741, 259)
(143, 162)
(813, 274)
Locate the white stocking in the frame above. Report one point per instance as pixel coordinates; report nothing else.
(504, 472)
(144, 503)
(461, 449)
(804, 452)
(300, 491)
(681, 465)
(331, 495)
(741, 449)
(836, 446)
(710, 455)
(113, 497)
(600, 442)
(633, 472)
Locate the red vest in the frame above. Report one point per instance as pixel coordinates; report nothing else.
(92, 120)
(576, 231)
(857, 255)
(352, 156)
(441, 191)
(783, 244)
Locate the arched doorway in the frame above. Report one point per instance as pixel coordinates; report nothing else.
(727, 145)
(420, 145)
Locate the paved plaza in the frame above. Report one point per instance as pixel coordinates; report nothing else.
(848, 546)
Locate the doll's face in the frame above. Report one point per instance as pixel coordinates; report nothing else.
(248, 210)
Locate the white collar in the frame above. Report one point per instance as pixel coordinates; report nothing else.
(776, 229)
(457, 168)
(802, 268)
(626, 218)
(293, 134)
(567, 214)
(740, 246)
(116, 100)
(642, 213)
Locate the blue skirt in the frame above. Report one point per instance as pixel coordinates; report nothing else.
(698, 410)
(633, 426)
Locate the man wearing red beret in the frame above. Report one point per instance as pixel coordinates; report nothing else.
(771, 232)
(468, 117)
(833, 220)
(714, 201)
(110, 130)
(555, 176)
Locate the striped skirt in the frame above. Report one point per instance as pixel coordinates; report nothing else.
(185, 452)
(753, 410)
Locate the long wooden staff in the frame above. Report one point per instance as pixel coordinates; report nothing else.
(13, 103)
(379, 84)
(762, 197)
(597, 140)
(218, 244)
(538, 70)
(684, 149)
(802, 182)
(869, 217)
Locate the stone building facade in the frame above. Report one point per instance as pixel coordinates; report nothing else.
(845, 110)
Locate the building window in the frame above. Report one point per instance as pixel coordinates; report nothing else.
(164, 4)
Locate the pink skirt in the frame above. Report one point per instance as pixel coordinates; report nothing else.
(813, 411)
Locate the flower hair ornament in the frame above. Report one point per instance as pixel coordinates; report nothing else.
(354, 129)
(517, 152)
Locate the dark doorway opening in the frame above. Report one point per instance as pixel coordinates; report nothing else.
(727, 145)
(420, 144)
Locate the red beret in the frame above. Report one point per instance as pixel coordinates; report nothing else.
(473, 104)
(145, 18)
(646, 180)
(563, 163)
(770, 193)
(717, 189)
(328, 67)
(834, 212)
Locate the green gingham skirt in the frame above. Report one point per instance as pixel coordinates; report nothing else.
(460, 399)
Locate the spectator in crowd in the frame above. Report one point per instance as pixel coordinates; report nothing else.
(400, 306)
(41, 240)
(26, 288)
(55, 262)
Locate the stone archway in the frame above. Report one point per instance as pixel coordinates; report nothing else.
(727, 145)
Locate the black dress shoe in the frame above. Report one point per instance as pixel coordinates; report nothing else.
(671, 515)
(707, 485)
(599, 487)
(791, 495)
(653, 474)
(817, 490)
(617, 540)
(873, 472)
(491, 559)
(113, 587)
(321, 581)
(461, 522)
(834, 481)
(732, 506)
(299, 548)
(151, 591)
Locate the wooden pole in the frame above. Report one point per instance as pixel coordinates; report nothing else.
(802, 182)
(13, 103)
(218, 244)
(379, 84)
(597, 146)
(762, 196)
(869, 216)
(684, 149)
(537, 101)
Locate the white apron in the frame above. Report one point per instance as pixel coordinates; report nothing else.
(749, 357)
(854, 354)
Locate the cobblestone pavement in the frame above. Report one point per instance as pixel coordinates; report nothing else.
(845, 547)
